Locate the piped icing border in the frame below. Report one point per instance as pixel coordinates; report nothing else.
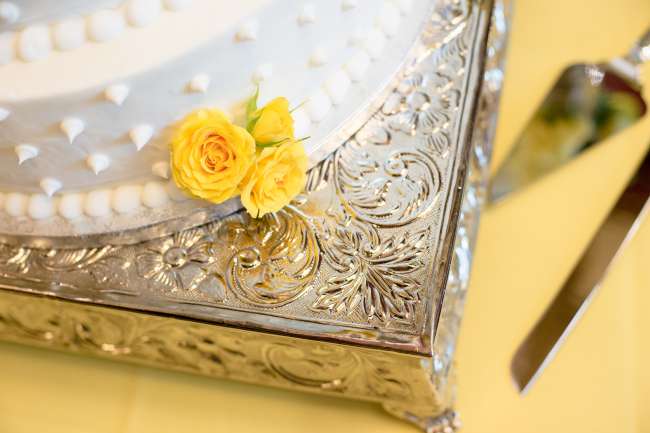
(37, 41)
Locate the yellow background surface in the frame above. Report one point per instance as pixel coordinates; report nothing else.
(600, 380)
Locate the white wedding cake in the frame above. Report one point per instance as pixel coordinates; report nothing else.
(89, 89)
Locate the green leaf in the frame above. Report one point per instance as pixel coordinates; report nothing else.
(251, 105)
(272, 143)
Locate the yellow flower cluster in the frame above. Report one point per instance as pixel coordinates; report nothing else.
(214, 159)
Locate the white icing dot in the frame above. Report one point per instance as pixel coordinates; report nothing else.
(375, 43)
(199, 83)
(154, 194)
(301, 123)
(34, 43)
(117, 93)
(141, 13)
(337, 86)
(40, 206)
(358, 65)
(16, 204)
(25, 152)
(126, 198)
(105, 25)
(176, 5)
(347, 5)
(247, 32)
(318, 57)
(307, 14)
(175, 193)
(4, 113)
(262, 73)
(98, 162)
(161, 169)
(50, 185)
(140, 135)
(7, 47)
(318, 106)
(72, 127)
(9, 13)
(71, 206)
(98, 203)
(69, 34)
(388, 19)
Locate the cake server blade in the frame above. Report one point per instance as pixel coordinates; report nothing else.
(587, 104)
(543, 342)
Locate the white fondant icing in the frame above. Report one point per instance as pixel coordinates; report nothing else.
(25, 152)
(104, 26)
(337, 86)
(318, 106)
(9, 12)
(176, 5)
(7, 47)
(72, 127)
(318, 57)
(71, 206)
(247, 32)
(69, 34)
(262, 73)
(40, 206)
(404, 6)
(389, 19)
(301, 123)
(358, 65)
(150, 84)
(141, 13)
(199, 83)
(117, 93)
(126, 199)
(50, 185)
(34, 43)
(154, 194)
(4, 113)
(98, 162)
(375, 43)
(16, 204)
(307, 14)
(347, 5)
(140, 135)
(98, 203)
(161, 169)
(357, 38)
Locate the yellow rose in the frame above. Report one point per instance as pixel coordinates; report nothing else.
(210, 156)
(273, 124)
(277, 177)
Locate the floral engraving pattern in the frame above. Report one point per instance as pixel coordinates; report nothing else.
(355, 249)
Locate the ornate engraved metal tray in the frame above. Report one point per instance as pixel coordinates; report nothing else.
(356, 289)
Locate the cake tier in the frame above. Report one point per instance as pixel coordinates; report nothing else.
(88, 100)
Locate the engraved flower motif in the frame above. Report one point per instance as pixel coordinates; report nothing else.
(177, 263)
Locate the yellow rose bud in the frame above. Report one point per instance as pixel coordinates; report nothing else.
(277, 177)
(273, 123)
(210, 156)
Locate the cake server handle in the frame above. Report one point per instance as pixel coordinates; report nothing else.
(552, 329)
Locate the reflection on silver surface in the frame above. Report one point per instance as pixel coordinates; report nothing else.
(541, 345)
(587, 104)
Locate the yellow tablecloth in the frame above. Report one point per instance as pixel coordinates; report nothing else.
(600, 380)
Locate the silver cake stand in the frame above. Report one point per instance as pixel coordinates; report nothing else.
(356, 289)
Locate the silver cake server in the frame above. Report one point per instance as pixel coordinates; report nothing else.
(587, 104)
(620, 225)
